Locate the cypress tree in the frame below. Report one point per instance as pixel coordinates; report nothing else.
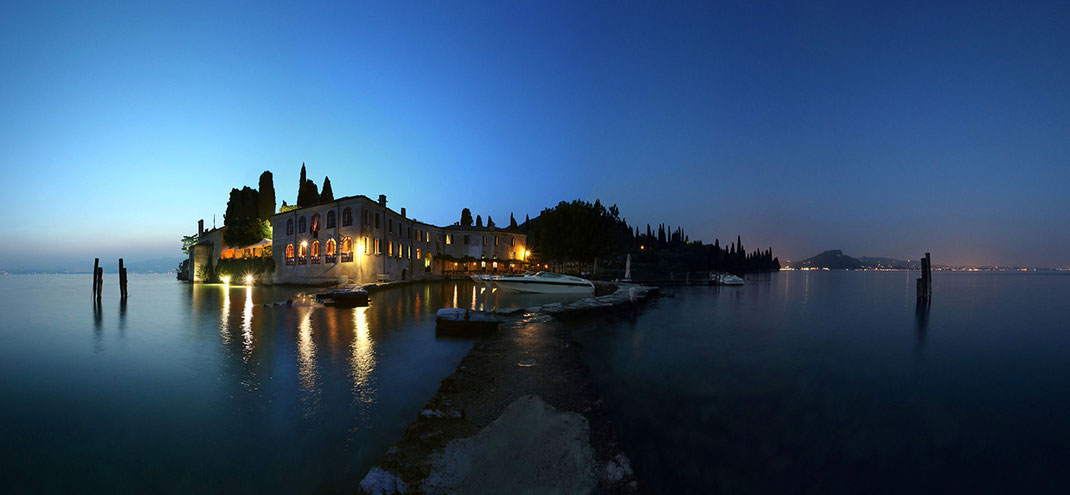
(466, 218)
(479, 221)
(302, 189)
(512, 222)
(490, 222)
(327, 195)
(266, 196)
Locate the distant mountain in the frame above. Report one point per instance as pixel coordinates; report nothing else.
(836, 260)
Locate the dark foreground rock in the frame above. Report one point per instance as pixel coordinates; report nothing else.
(518, 415)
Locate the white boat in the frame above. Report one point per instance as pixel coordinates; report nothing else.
(483, 280)
(544, 283)
(725, 279)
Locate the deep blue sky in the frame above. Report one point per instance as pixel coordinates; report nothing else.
(883, 130)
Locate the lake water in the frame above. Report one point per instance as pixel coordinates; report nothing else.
(193, 389)
(823, 382)
(835, 382)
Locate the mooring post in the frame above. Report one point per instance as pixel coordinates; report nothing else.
(100, 282)
(96, 264)
(122, 279)
(925, 283)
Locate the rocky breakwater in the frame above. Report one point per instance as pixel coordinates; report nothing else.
(518, 415)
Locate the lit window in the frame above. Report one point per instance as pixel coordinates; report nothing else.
(329, 250)
(417, 253)
(427, 237)
(316, 222)
(495, 240)
(389, 248)
(289, 250)
(378, 247)
(449, 239)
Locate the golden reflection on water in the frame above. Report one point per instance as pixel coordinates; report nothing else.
(224, 317)
(362, 360)
(306, 357)
(455, 289)
(247, 325)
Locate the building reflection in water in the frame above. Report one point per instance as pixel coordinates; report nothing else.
(362, 360)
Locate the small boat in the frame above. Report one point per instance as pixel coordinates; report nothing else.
(346, 298)
(725, 279)
(544, 283)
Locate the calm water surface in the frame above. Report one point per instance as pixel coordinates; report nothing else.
(835, 382)
(193, 389)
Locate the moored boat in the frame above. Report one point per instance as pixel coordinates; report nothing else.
(544, 283)
(725, 279)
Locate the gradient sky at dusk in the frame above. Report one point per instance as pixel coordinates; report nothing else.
(881, 130)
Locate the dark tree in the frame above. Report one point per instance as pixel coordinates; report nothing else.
(490, 222)
(242, 219)
(311, 194)
(302, 191)
(327, 195)
(265, 205)
(466, 218)
(512, 222)
(479, 222)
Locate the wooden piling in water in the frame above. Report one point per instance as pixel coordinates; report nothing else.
(925, 283)
(122, 279)
(96, 265)
(100, 282)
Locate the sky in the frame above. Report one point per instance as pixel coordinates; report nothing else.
(882, 129)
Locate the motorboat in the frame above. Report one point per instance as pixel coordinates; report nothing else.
(544, 283)
(482, 280)
(725, 279)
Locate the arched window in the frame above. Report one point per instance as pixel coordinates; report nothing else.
(330, 219)
(347, 217)
(347, 249)
(330, 251)
(315, 223)
(302, 253)
(315, 252)
(302, 225)
(289, 226)
(290, 251)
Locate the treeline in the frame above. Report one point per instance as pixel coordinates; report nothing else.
(467, 222)
(575, 233)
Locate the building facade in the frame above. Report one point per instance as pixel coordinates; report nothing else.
(356, 239)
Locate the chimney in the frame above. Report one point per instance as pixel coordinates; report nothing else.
(382, 200)
(403, 213)
(200, 227)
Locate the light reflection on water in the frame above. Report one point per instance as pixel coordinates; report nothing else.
(362, 359)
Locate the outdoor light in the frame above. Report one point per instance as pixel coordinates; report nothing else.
(249, 280)
(225, 279)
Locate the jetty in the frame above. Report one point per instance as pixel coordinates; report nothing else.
(519, 414)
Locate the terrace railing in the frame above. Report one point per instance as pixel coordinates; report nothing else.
(347, 257)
